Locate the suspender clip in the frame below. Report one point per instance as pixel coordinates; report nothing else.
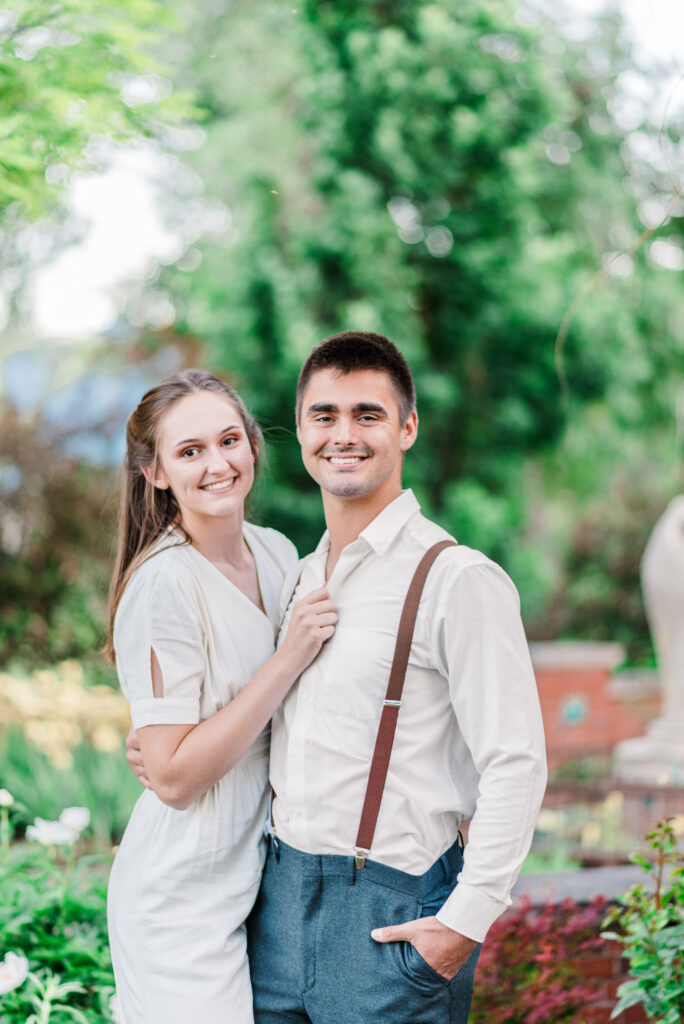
(360, 855)
(392, 703)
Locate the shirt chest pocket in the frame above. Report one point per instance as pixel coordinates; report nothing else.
(354, 672)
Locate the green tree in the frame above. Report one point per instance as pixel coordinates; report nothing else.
(453, 177)
(443, 174)
(71, 70)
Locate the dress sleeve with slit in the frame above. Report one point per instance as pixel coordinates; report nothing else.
(158, 614)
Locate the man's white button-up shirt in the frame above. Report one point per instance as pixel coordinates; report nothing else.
(469, 744)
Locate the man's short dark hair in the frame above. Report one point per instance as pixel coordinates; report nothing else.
(360, 350)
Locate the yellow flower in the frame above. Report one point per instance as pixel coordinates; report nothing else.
(614, 801)
(678, 824)
(60, 757)
(46, 679)
(58, 710)
(105, 737)
(71, 671)
(549, 821)
(591, 834)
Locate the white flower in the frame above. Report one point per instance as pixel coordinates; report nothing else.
(115, 1009)
(13, 971)
(51, 833)
(75, 818)
(71, 823)
(6, 798)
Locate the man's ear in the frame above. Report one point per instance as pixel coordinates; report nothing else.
(409, 432)
(156, 478)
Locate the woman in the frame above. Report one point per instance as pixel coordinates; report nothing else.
(192, 623)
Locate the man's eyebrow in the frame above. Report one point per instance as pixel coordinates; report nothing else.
(198, 440)
(369, 407)
(360, 407)
(321, 407)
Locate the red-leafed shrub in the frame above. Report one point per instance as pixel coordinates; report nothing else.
(531, 968)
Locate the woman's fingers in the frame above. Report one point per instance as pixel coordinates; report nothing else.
(135, 758)
(312, 622)
(322, 606)
(319, 599)
(326, 619)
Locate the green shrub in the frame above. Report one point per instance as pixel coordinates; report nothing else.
(649, 922)
(530, 968)
(53, 922)
(100, 781)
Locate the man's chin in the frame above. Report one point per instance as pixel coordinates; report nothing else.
(347, 488)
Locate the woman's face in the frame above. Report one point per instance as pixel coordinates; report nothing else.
(204, 456)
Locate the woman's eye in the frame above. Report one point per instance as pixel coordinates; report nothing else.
(188, 452)
(229, 440)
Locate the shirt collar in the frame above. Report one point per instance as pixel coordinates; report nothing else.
(380, 533)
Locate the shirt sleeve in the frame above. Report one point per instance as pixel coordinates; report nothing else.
(482, 651)
(160, 615)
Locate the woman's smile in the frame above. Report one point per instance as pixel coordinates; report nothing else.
(219, 485)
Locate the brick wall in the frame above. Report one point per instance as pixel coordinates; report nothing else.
(585, 707)
(604, 973)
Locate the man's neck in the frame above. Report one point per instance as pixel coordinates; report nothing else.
(346, 518)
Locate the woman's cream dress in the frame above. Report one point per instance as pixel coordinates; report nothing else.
(183, 882)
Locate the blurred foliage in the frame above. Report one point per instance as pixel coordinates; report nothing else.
(57, 531)
(535, 967)
(96, 779)
(53, 913)
(453, 176)
(69, 72)
(57, 709)
(649, 924)
(596, 593)
(62, 742)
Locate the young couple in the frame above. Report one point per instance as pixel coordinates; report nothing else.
(343, 924)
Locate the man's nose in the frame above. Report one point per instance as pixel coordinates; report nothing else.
(345, 431)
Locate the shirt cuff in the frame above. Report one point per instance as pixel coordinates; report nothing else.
(471, 912)
(164, 711)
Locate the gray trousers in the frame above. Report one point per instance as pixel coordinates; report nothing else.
(312, 959)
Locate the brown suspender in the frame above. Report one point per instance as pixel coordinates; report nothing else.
(392, 703)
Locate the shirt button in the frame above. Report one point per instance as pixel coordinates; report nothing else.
(306, 696)
(298, 813)
(296, 755)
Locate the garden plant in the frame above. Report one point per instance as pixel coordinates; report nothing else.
(55, 965)
(531, 966)
(649, 923)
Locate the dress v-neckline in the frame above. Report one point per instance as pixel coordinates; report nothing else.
(260, 611)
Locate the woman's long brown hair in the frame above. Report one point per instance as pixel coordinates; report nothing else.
(148, 511)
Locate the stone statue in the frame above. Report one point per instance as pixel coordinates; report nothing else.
(658, 757)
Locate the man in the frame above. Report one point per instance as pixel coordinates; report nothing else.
(331, 942)
(342, 935)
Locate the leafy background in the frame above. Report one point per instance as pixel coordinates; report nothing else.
(451, 175)
(466, 178)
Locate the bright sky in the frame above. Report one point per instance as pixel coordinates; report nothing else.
(79, 293)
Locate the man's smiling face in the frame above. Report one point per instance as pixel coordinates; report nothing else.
(351, 432)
